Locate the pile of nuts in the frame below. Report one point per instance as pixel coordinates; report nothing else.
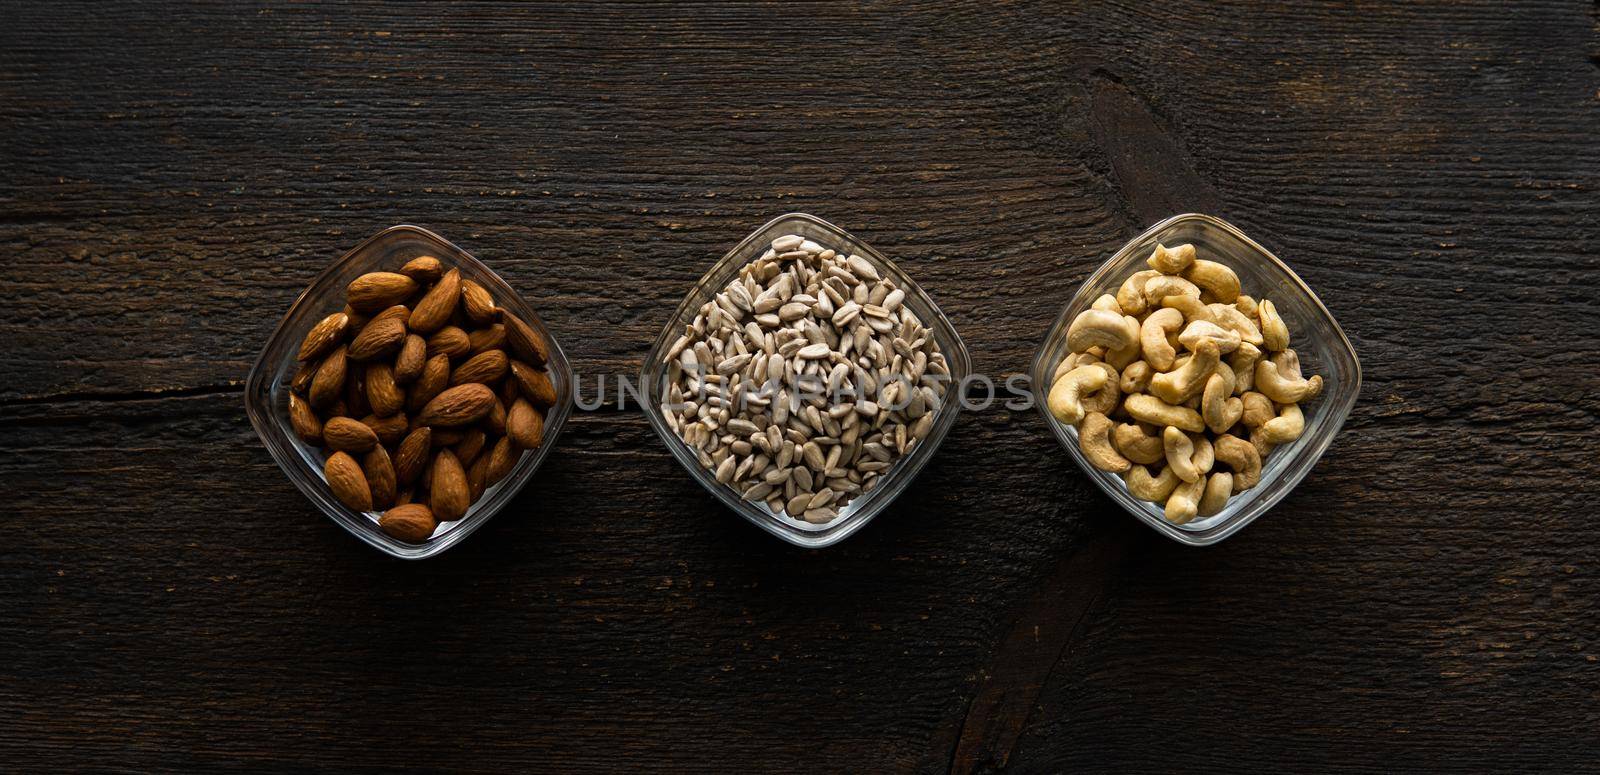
(422, 393)
(1172, 374)
(804, 380)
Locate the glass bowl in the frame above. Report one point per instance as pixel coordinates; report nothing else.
(863, 508)
(267, 388)
(1314, 335)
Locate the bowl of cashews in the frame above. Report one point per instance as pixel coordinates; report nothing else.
(1195, 378)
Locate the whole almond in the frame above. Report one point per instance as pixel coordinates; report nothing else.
(355, 391)
(502, 458)
(347, 435)
(423, 269)
(449, 341)
(477, 303)
(411, 522)
(534, 384)
(304, 421)
(380, 477)
(412, 455)
(494, 423)
(324, 336)
(328, 383)
(376, 290)
(528, 345)
(524, 425)
(487, 367)
(382, 336)
(509, 392)
(348, 483)
(435, 378)
(449, 494)
(478, 477)
(390, 429)
(435, 308)
(471, 444)
(458, 406)
(383, 394)
(491, 338)
(413, 354)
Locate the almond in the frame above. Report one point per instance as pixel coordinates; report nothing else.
(347, 435)
(527, 343)
(435, 378)
(412, 523)
(435, 308)
(376, 290)
(324, 336)
(471, 444)
(449, 341)
(460, 405)
(495, 421)
(390, 429)
(382, 336)
(383, 394)
(534, 384)
(477, 477)
(501, 460)
(357, 319)
(412, 455)
(380, 477)
(348, 483)
(328, 383)
(524, 425)
(477, 303)
(301, 382)
(304, 421)
(447, 437)
(423, 269)
(413, 354)
(487, 367)
(449, 494)
(491, 338)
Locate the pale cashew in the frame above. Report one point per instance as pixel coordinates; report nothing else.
(1136, 377)
(1258, 409)
(1190, 306)
(1227, 340)
(1229, 316)
(1275, 331)
(1189, 379)
(1218, 488)
(1171, 260)
(1147, 408)
(1245, 304)
(1205, 456)
(1100, 328)
(1153, 335)
(1094, 441)
(1108, 303)
(1145, 487)
(1218, 406)
(1288, 363)
(1131, 295)
(1258, 441)
(1183, 457)
(1214, 278)
(1243, 361)
(1184, 503)
(1136, 445)
(1158, 288)
(1242, 457)
(1065, 401)
(1126, 355)
(1282, 389)
(1108, 397)
(1286, 427)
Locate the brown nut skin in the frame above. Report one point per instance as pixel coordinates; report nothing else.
(487, 367)
(534, 384)
(435, 378)
(374, 291)
(347, 435)
(383, 393)
(347, 481)
(458, 406)
(324, 336)
(450, 341)
(413, 523)
(327, 385)
(305, 422)
(437, 305)
(525, 425)
(413, 356)
(449, 494)
(477, 303)
(390, 429)
(379, 471)
(526, 343)
(378, 339)
(413, 455)
(491, 338)
(423, 269)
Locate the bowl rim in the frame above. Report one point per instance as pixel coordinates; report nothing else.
(1334, 420)
(282, 446)
(956, 356)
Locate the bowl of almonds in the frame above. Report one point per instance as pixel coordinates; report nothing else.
(409, 392)
(805, 380)
(1195, 378)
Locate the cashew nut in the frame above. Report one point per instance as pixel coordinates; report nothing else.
(1158, 288)
(1288, 363)
(1245, 304)
(1189, 379)
(1243, 361)
(1218, 488)
(1108, 303)
(1065, 400)
(1153, 335)
(1216, 279)
(1273, 329)
(1108, 397)
(1136, 377)
(1280, 388)
(1199, 330)
(1131, 295)
(1180, 453)
(1258, 409)
(1102, 328)
(1218, 407)
(1242, 457)
(1184, 502)
(1205, 455)
(1136, 445)
(1190, 306)
(1147, 408)
(1129, 354)
(1229, 316)
(1095, 442)
(1286, 427)
(1171, 260)
(1145, 487)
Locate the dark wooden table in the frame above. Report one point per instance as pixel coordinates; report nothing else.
(171, 177)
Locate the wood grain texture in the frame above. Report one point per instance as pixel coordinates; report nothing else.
(172, 177)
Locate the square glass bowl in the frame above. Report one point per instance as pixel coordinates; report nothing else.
(858, 512)
(267, 388)
(1314, 335)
